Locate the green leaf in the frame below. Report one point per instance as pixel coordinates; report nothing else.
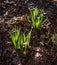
(28, 37)
(35, 12)
(24, 37)
(13, 39)
(17, 34)
(53, 38)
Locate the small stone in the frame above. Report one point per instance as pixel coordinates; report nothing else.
(20, 64)
(6, 13)
(15, 18)
(42, 43)
(38, 49)
(37, 55)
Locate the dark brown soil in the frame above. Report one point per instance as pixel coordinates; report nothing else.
(11, 16)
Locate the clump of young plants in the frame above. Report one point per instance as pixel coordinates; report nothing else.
(20, 40)
(53, 41)
(36, 18)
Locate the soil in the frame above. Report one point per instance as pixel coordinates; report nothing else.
(13, 14)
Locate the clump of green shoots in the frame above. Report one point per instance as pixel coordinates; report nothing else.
(20, 40)
(53, 40)
(36, 18)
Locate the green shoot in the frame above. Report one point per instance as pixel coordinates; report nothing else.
(53, 39)
(36, 18)
(20, 40)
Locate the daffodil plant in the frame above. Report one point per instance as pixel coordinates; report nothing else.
(20, 40)
(36, 18)
(54, 40)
